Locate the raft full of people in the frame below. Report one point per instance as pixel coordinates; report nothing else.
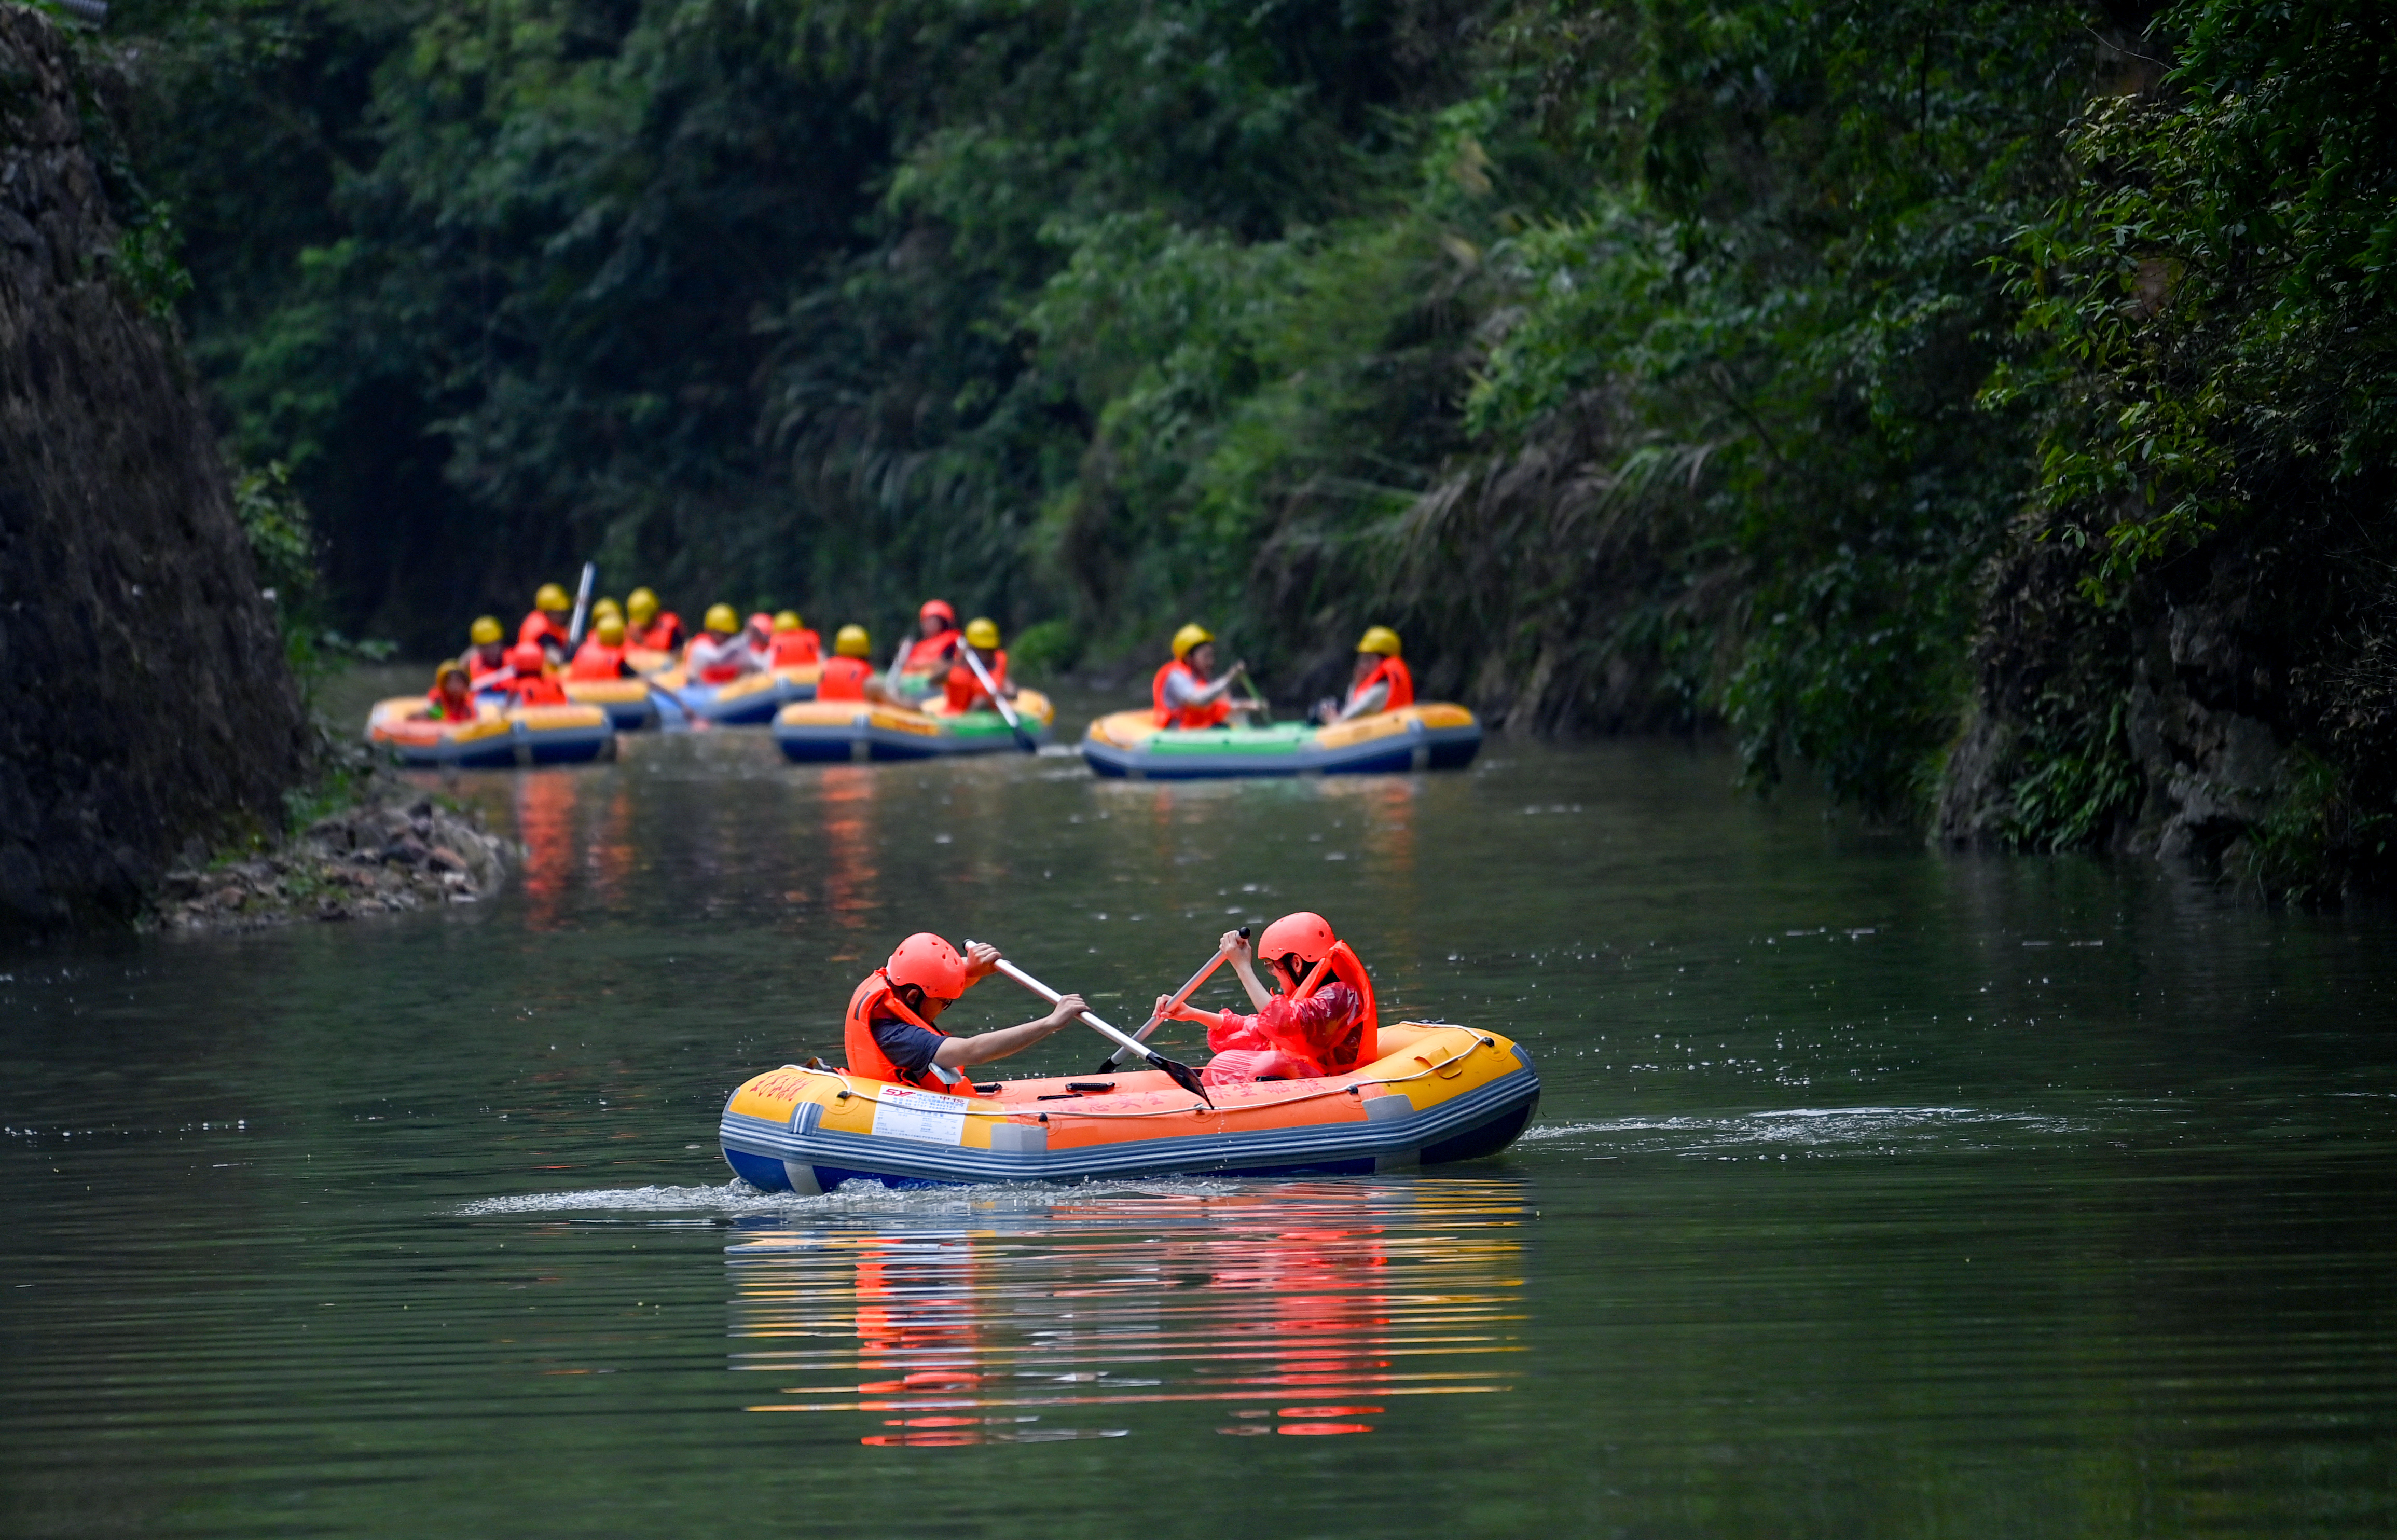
(1311, 1080)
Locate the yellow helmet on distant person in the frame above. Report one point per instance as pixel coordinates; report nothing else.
(640, 603)
(1379, 639)
(1190, 636)
(788, 620)
(449, 666)
(551, 598)
(486, 630)
(721, 619)
(851, 641)
(982, 632)
(611, 631)
(605, 607)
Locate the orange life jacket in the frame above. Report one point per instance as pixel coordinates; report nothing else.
(1394, 672)
(539, 690)
(843, 679)
(442, 707)
(663, 633)
(930, 652)
(1359, 1047)
(795, 649)
(596, 660)
(488, 675)
(1214, 714)
(965, 690)
(538, 627)
(875, 997)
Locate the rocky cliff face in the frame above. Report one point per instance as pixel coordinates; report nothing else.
(143, 694)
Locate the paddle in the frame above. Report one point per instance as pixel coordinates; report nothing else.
(690, 719)
(1179, 996)
(1183, 1074)
(990, 688)
(1264, 708)
(582, 604)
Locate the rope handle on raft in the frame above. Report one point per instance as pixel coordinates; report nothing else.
(1348, 1089)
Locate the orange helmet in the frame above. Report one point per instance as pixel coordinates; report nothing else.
(527, 658)
(929, 963)
(940, 608)
(1306, 935)
(762, 623)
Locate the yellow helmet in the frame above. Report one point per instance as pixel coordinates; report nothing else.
(1379, 639)
(788, 620)
(551, 598)
(982, 632)
(611, 631)
(486, 630)
(642, 605)
(1190, 636)
(720, 618)
(605, 607)
(851, 641)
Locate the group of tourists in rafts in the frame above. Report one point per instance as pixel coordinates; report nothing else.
(558, 695)
(1310, 1080)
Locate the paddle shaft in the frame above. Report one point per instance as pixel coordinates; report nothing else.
(1121, 1039)
(1179, 996)
(990, 688)
(582, 604)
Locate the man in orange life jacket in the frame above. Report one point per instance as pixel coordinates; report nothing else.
(601, 656)
(486, 660)
(936, 641)
(889, 1035)
(1379, 682)
(545, 626)
(1322, 1023)
(965, 691)
(848, 676)
(530, 684)
(1184, 694)
(794, 645)
(648, 628)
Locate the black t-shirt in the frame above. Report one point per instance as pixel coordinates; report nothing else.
(906, 1044)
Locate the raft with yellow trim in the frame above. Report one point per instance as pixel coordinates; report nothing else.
(1438, 1094)
(631, 705)
(819, 730)
(748, 702)
(498, 740)
(1431, 736)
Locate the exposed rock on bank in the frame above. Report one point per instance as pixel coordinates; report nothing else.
(397, 850)
(143, 694)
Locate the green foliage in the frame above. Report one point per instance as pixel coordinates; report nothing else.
(147, 263)
(2316, 836)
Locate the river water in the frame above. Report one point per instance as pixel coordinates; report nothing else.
(1872, 1192)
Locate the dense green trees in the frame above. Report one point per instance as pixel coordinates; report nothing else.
(1647, 361)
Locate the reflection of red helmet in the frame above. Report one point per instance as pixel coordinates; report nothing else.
(940, 608)
(1306, 934)
(527, 657)
(931, 964)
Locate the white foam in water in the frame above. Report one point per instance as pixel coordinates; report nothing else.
(739, 1198)
(1816, 1130)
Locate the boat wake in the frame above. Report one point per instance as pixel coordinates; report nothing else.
(1816, 1131)
(739, 1200)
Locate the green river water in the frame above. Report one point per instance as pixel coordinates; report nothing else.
(1872, 1192)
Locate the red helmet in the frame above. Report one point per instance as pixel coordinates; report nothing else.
(527, 657)
(1305, 934)
(940, 608)
(929, 963)
(762, 623)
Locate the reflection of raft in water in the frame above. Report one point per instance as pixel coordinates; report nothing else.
(1435, 736)
(530, 736)
(748, 702)
(863, 730)
(1437, 1094)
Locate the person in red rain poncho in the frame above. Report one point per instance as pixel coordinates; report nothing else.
(1321, 1024)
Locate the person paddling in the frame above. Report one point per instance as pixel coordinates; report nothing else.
(1379, 682)
(451, 698)
(648, 628)
(1186, 693)
(936, 639)
(1322, 1023)
(794, 645)
(487, 659)
(544, 627)
(848, 676)
(529, 683)
(601, 656)
(965, 691)
(720, 654)
(888, 1033)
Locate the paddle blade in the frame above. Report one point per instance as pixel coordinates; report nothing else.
(1184, 1075)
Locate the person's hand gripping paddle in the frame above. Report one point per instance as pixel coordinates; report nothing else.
(1182, 1073)
(1174, 1004)
(990, 688)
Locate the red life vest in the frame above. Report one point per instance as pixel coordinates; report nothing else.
(731, 652)
(487, 667)
(875, 997)
(539, 690)
(796, 649)
(441, 707)
(663, 634)
(843, 679)
(595, 660)
(965, 691)
(1360, 1045)
(1214, 714)
(930, 652)
(1393, 672)
(538, 627)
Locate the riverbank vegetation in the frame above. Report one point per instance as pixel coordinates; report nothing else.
(1981, 405)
